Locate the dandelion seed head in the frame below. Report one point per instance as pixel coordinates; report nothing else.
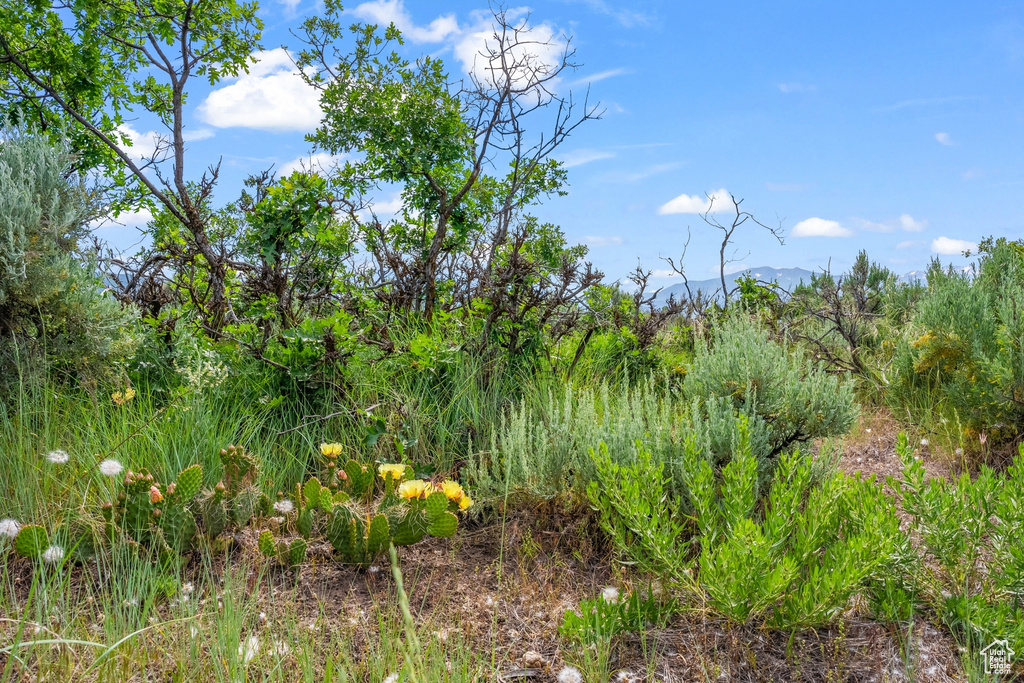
(53, 555)
(392, 678)
(9, 528)
(110, 468)
(610, 594)
(248, 649)
(58, 457)
(924, 442)
(570, 674)
(284, 506)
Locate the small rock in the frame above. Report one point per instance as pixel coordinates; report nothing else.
(533, 660)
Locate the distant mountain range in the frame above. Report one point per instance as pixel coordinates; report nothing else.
(786, 278)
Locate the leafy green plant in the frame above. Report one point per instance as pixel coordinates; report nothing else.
(973, 573)
(591, 633)
(964, 349)
(643, 521)
(792, 557)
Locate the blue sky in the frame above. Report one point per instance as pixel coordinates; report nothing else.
(892, 127)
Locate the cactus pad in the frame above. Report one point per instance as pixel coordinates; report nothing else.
(31, 541)
(189, 481)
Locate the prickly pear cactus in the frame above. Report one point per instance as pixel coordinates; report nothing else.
(289, 554)
(213, 511)
(359, 478)
(157, 515)
(239, 469)
(31, 541)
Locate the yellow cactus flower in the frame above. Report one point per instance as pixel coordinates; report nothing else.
(453, 490)
(330, 450)
(465, 503)
(415, 488)
(396, 472)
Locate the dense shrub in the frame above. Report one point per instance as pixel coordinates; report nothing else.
(965, 350)
(543, 450)
(785, 399)
(973, 568)
(793, 558)
(51, 301)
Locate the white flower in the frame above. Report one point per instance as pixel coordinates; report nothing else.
(610, 594)
(570, 674)
(53, 555)
(284, 506)
(9, 528)
(187, 589)
(924, 442)
(248, 649)
(959, 451)
(281, 649)
(392, 678)
(58, 457)
(868, 431)
(110, 468)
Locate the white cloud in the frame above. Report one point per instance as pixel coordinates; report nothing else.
(665, 274)
(873, 226)
(536, 53)
(909, 244)
(384, 12)
(601, 241)
(144, 145)
(904, 222)
(944, 139)
(578, 157)
(908, 223)
(626, 18)
(272, 96)
(388, 206)
(952, 247)
(685, 203)
(131, 219)
(600, 76)
(290, 5)
(819, 227)
(321, 163)
(198, 134)
(795, 87)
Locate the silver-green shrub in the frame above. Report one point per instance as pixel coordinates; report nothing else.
(787, 401)
(50, 296)
(545, 450)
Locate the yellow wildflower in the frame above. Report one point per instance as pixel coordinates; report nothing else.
(396, 472)
(330, 450)
(453, 490)
(465, 503)
(415, 488)
(122, 397)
